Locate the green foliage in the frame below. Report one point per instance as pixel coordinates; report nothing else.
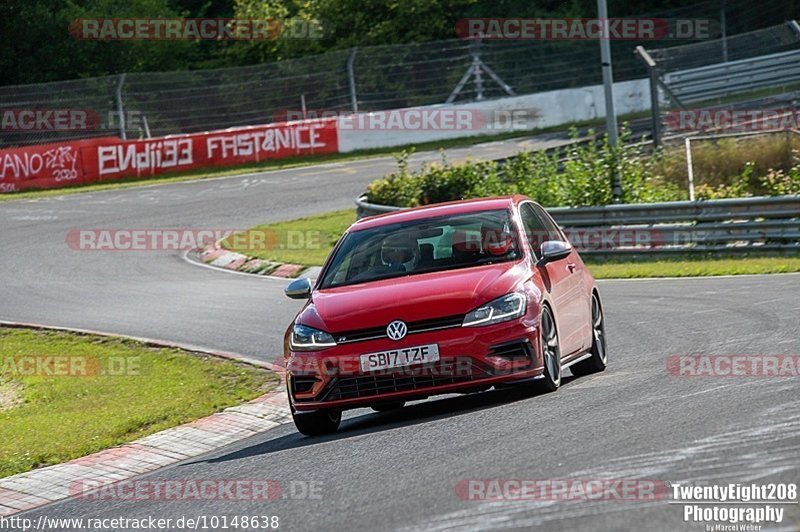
(778, 182)
(738, 187)
(715, 162)
(584, 176)
(37, 46)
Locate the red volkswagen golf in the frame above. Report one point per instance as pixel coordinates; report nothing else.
(449, 298)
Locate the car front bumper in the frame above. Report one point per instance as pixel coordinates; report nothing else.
(471, 358)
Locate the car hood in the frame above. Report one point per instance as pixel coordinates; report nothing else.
(411, 298)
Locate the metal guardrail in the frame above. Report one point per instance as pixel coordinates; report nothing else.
(728, 225)
(725, 79)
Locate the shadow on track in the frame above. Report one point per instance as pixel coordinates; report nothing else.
(375, 422)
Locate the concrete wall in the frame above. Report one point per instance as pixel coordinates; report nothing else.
(532, 111)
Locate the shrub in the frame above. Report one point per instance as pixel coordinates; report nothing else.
(717, 162)
(580, 174)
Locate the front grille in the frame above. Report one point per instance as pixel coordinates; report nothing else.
(359, 335)
(422, 377)
(512, 350)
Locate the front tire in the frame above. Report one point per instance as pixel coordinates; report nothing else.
(551, 354)
(599, 359)
(317, 423)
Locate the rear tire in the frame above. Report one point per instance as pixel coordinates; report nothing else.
(388, 407)
(599, 359)
(317, 423)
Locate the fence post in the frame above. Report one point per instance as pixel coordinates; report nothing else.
(654, 108)
(689, 170)
(723, 28)
(120, 110)
(146, 126)
(655, 111)
(351, 77)
(608, 86)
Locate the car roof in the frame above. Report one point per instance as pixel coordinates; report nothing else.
(436, 210)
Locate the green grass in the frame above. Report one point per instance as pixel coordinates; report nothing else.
(53, 419)
(305, 241)
(325, 229)
(694, 267)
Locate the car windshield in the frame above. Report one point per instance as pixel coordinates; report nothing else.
(421, 246)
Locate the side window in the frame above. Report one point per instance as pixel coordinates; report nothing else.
(534, 229)
(551, 229)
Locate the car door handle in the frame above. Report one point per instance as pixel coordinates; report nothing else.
(571, 267)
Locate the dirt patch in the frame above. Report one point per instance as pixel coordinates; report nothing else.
(10, 395)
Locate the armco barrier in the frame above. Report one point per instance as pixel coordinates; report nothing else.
(110, 158)
(729, 225)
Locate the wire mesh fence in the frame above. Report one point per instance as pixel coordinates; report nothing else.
(765, 41)
(138, 105)
(756, 89)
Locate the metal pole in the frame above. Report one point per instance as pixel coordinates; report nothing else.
(120, 111)
(654, 108)
(476, 70)
(608, 84)
(655, 112)
(688, 143)
(303, 105)
(146, 126)
(351, 77)
(724, 30)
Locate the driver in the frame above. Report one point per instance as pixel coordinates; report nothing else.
(400, 253)
(496, 239)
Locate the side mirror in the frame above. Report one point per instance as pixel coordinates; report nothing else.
(553, 250)
(299, 289)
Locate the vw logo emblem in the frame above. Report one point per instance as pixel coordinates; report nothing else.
(396, 330)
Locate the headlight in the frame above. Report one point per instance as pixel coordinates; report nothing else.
(305, 338)
(504, 308)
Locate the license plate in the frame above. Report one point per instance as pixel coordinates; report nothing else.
(396, 358)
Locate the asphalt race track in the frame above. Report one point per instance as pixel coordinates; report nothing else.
(154, 294)
(399, 470)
